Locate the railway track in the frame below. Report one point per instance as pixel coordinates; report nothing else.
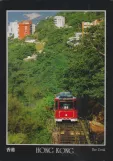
(72, 133)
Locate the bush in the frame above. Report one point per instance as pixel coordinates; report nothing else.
(18, 138)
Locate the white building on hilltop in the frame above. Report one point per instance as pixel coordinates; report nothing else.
(59, 21)
(13, 29)
(33, 28)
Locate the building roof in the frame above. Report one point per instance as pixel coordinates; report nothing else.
(58, 17)
(25, 22)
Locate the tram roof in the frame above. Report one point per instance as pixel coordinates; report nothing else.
(67, 95)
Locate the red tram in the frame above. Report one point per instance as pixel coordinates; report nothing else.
(65, 107)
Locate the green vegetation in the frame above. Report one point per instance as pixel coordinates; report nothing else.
(86, 75)
(40, 46)
(32, 85)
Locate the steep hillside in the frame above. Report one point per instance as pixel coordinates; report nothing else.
(59, 67)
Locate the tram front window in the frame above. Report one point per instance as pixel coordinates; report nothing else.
(66, 105)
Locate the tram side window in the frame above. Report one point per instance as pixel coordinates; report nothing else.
(56, 105)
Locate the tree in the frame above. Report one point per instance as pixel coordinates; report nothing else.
(85, 74)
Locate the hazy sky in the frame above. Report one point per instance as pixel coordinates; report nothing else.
(35, 16)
